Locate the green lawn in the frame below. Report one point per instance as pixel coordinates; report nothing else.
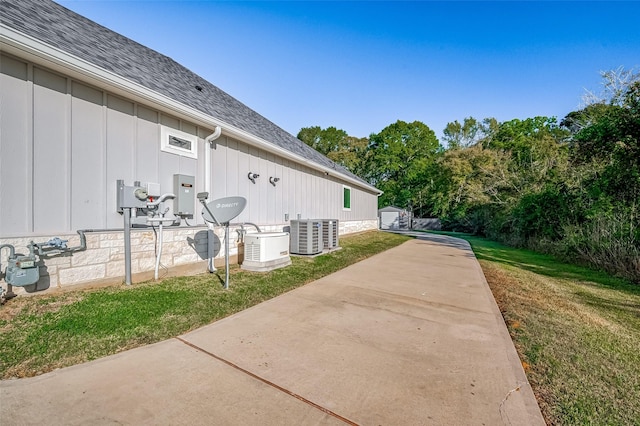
(577, 332)
(44, 332)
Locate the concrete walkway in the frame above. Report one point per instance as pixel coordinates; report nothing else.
(411, 336)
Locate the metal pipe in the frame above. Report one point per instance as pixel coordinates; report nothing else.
(210, 261)
(210, 212)
(226, 256)
(211, 265)
(9, 294)
(12, 252)
(83, 241)
(126, 213)
(155, 276)
(247, 223)
(162, 198)
(43, 252)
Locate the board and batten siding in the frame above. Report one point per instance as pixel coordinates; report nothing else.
(300, 191)
(64, 144)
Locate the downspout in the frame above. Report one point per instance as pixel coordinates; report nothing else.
(207, 188)
(207, 157)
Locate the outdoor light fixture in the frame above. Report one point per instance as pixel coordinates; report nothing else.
(273, 180)
(253, 176)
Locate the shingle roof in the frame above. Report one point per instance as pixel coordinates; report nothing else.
(64, 29)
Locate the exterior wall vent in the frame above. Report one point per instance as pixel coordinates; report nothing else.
(306, 236)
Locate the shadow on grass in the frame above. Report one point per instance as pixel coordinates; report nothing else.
(627, 309)
(543, 264)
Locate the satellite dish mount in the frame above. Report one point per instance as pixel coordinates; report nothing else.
(220, 212)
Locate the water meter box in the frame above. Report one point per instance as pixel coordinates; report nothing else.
(22, 271)
(184, 187)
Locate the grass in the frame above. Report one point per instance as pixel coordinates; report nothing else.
(577, 332)
(44, 332)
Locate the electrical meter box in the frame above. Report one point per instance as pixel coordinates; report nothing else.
(184, 187)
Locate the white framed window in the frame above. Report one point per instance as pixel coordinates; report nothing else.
(177, 142)
(346, 197)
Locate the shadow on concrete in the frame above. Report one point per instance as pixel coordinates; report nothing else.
(443, 240)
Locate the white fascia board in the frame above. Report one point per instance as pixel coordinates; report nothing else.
(24, 46)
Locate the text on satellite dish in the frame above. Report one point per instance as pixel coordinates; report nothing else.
(227, 205)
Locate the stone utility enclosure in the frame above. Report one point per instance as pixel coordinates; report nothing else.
(84, 107)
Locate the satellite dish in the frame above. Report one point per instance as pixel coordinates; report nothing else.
(222, 210)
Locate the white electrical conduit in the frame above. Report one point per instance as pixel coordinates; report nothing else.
(160, 221)
(207, 188)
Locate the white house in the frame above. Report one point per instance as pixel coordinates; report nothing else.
(82, 107)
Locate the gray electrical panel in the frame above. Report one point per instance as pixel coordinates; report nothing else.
(184, 187)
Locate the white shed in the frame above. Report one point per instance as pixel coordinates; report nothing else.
(391, 217)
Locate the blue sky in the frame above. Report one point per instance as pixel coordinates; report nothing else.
(361, 66)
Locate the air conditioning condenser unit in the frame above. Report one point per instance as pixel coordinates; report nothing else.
(306, 236)
(266, 251)
(330, 231)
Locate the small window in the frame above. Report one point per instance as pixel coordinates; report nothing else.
(177, 142)
(346, 198)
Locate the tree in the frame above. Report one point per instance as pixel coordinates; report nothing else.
(461, 135)
(465, 181)
(537, 146)
(478, 188)
(469, 133)
(348, 151)
(615, 85)
(611, 141)
(323, 140)
(398, 161)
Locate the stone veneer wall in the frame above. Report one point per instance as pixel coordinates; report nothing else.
(354, 226)
(184, 249)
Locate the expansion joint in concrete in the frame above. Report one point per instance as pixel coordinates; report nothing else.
(267, 382)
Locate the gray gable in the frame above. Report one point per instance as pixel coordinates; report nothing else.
(57, 26)
(391, 209)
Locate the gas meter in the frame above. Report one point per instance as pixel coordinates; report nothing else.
(22, 271)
